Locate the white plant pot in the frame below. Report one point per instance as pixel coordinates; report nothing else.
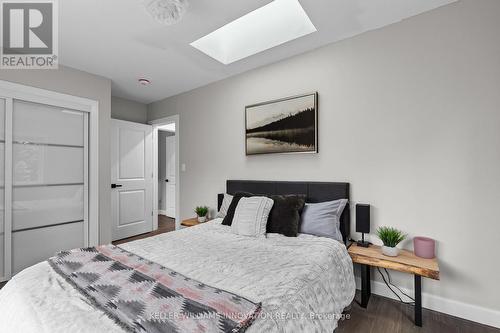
(202, 219)
(390, 251)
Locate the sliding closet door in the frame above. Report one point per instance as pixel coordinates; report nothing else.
(49, 181)
(3, 239)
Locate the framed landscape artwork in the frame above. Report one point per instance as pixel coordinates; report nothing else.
(288, 125)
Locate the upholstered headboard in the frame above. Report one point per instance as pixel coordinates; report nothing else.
(314, 192)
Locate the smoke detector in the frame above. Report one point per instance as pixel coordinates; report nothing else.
(144, 82)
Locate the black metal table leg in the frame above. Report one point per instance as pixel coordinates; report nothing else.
(365, 285)
(418, 300)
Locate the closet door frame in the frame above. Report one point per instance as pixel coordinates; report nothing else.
(13, 91)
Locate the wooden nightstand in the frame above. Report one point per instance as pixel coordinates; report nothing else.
(406, 262)
(190, 222)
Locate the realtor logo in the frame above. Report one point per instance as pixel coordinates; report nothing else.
(29, 34)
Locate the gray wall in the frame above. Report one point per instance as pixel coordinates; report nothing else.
(125, 109)
(73, 82)
(162, 164)
(408, 114)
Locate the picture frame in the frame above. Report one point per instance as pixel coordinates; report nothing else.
(283, 126)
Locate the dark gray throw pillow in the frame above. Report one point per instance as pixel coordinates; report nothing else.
(285, 215)
(323, 219)
(228, 219)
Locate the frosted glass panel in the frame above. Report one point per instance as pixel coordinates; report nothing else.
(38, 164)
(40, 123)
(33, 246)
(2, 165)
(2, 209)
(2, 120)
(46, 205)
(2, 257)
(2, 189)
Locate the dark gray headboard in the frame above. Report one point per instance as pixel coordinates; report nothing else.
(314, 191)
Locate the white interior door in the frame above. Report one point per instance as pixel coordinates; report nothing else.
(131, 178)
(171, 177)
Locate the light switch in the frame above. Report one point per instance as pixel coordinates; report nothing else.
(183, 167)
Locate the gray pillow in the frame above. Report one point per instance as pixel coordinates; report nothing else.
(323, 219)
(250, 217)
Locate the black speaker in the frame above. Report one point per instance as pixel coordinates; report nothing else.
(363, 222)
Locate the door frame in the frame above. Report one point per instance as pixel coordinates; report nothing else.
(10, 91)
(166, 171)
(175, 119)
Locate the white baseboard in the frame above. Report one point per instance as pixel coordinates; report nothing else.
(454, 308)
(162, 212)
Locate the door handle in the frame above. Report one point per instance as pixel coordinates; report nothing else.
(116, 185)
(166, 180)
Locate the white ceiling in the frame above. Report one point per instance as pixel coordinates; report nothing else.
(119, 40)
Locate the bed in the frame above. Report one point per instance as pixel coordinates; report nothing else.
(303, 283)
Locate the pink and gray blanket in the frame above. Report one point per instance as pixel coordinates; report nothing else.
(142, 296)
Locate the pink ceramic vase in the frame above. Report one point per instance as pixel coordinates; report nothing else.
(424, 247)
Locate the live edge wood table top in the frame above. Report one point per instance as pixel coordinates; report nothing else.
(406, 261)
(190, 222)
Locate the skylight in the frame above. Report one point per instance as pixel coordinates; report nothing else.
(271, 25)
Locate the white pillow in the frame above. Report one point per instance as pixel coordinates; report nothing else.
(250, 217)
(224, 206)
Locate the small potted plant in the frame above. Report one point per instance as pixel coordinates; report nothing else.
(390, 237)
(201, 212)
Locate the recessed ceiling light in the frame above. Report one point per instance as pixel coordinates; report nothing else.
(271, 25)
(144, 82)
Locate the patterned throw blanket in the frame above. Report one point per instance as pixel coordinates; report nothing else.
(142, 296)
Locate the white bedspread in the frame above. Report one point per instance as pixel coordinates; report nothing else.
(294, 278)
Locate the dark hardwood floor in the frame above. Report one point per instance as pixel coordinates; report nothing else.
(385, 315)
(165, 224)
